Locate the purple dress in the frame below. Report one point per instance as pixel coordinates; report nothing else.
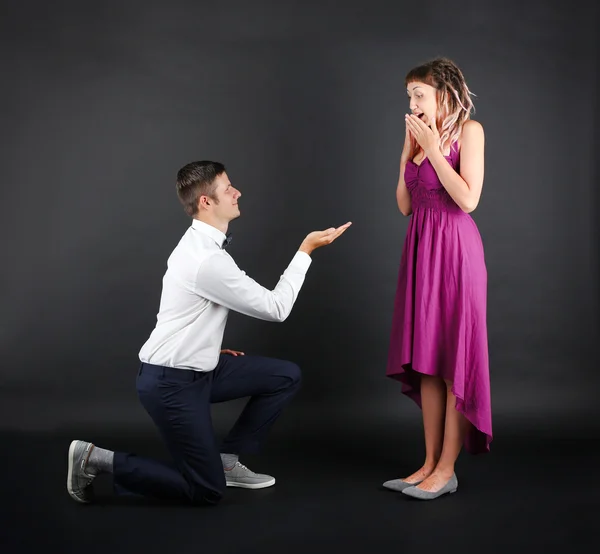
(439, 321)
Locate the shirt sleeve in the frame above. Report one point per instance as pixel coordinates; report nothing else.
(220, 280)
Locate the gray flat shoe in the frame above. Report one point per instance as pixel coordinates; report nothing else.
(450, 487)
(398, 485)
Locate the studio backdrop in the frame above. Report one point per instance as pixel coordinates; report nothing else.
(102, 103)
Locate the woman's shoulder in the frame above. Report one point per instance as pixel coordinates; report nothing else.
(472, 127)
(472, 130)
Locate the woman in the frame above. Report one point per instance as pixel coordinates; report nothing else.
(438, 348)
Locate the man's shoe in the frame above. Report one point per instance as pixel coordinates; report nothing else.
(241, 476)
(78, 480)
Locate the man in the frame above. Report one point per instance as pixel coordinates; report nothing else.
(183, 369)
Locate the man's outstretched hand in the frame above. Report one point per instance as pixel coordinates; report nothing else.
(316, 239)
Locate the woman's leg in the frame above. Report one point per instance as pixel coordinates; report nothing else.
(455, 427)
(433, 406)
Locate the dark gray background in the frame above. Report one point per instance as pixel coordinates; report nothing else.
(101, 103)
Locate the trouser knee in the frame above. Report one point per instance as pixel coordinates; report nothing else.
(293, 372)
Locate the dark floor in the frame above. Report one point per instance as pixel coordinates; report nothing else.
(535, 490)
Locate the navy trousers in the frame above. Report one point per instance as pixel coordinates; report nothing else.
(178, 401)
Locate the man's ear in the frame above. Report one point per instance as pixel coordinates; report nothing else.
(203, 202)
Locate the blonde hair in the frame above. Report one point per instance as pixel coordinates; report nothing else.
(453, 99)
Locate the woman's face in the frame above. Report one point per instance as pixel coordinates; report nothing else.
(423, 101)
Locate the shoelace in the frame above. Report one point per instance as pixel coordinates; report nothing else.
(242, 466)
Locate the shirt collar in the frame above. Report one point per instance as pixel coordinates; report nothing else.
(209, 230)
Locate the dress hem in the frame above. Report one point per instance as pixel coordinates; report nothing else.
(481, 444)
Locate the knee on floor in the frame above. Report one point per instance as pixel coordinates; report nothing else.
(201, 496)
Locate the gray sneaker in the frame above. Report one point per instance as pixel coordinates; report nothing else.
(240, 476)
(78, 481)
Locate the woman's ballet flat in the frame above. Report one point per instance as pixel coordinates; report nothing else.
(450, 487)
(398, 485)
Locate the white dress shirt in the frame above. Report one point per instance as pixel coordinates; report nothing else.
(201, 284)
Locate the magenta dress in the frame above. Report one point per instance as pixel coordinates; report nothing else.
(439, 320)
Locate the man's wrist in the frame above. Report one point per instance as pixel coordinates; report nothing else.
(305, 249)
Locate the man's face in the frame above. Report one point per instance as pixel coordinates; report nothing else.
(226, 208)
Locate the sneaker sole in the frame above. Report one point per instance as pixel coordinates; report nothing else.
(70, 473)
(251, 485)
